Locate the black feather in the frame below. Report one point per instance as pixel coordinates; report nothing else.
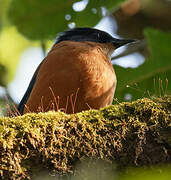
(84, 34)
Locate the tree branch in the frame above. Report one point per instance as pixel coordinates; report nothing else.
(130, 134)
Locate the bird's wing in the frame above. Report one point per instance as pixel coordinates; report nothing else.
(28, 91)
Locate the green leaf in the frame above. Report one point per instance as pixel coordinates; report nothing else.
(42, 19)
(151, 77)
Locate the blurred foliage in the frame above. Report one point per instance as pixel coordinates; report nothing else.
(12, 45)
(3, 9)
(43, 22)
(135, 15)
(2, 75)
(101, 171)
(153, 173)
(151, 78)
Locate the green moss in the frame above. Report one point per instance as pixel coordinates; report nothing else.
(130, 133)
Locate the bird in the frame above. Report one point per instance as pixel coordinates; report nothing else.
(76, 75)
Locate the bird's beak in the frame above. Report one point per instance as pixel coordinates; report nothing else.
(121, 42)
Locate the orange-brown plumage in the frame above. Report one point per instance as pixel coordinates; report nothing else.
(72, 66)
(76, 75)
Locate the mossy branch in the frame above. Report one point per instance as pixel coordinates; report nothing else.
(132, 133)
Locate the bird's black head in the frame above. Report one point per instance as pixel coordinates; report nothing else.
(91, 34)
